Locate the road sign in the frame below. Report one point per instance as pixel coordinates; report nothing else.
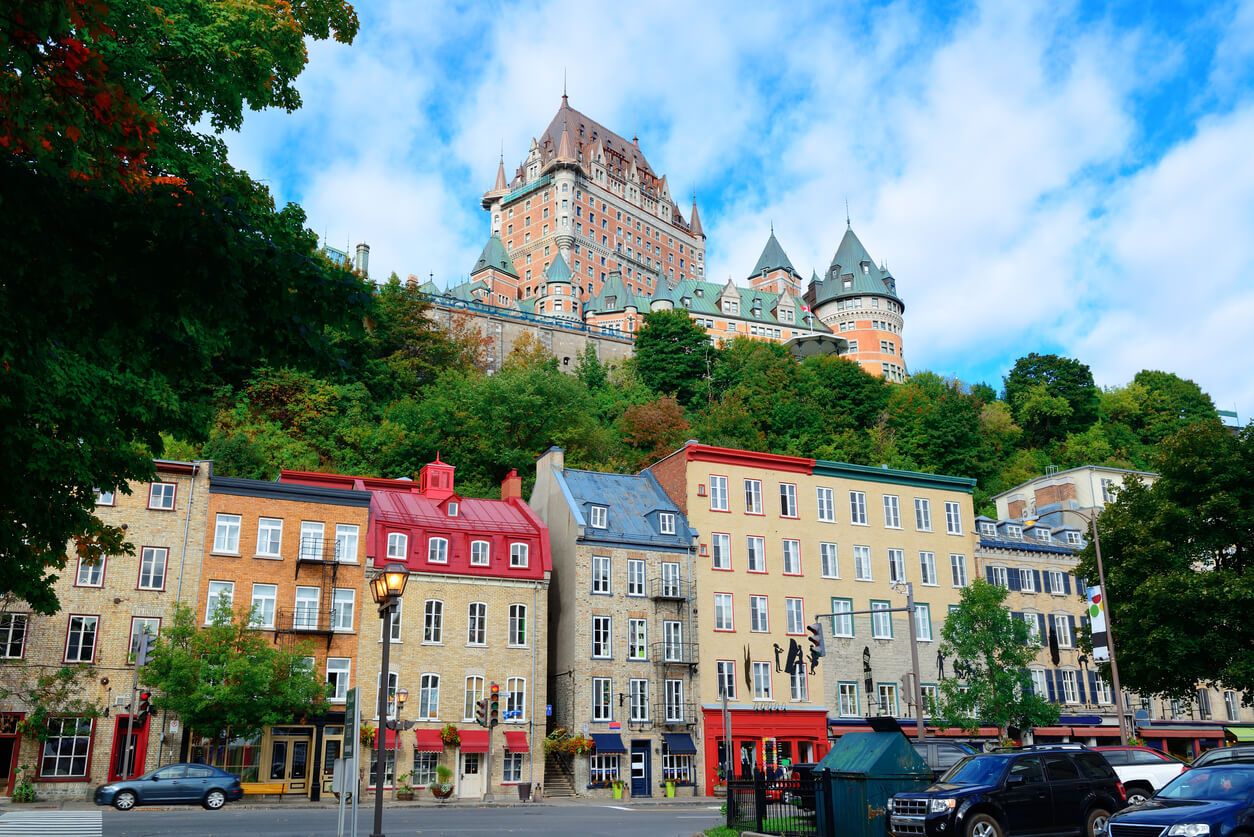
(352, 723)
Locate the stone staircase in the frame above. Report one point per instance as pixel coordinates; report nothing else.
(557, 782)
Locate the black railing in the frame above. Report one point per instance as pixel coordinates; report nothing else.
(775, 806)
(668, 588)
(674, 713)
(306, 620)
(666, 653)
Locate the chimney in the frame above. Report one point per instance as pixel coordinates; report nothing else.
(511, 486)
(362, 263)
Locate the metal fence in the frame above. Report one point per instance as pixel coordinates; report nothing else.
(773, 806)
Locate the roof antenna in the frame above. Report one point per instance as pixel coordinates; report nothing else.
(847, 224)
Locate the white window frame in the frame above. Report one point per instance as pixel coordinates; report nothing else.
(881, 620)
(755, 554)
(263, 605)
(339, 676)
(398, 546)
(673, 701)
(477, 623)
(1062, 627)
(718, 493)
(792, 556)
(428, 697)
(346, 542)
(480, 553)
(799, 685)
(159, 499)
(927, 569)
(312, 543)
(888, 692)
(724, 615)
(825, 499)
(433, 622)
(473, 691)
(598, 517)
(306, 607)
(958, 569)
(1055, 582)
(753, 496)
(602, 637)
(14, 628)
(519, 555)
(922, 514)
(847, 699)
(601, 575)
(892, 511)
(635, 577)
(761, 681)
(953, 517)
(88, 627)
(214, 593)
(829, 560)
(638, 700)
(896, 565)
(922, 622)
(842, 626)
(90, 572)
(517, 637)
(270, 537)
(1027, 580)
(1000, 577)
(666, 523)
(343, 606)
(720, 551)
(725, 674)
(1039, 686)
(437, 550)
(637, 638)
(862, 563)
(857, 508)
(152, 567)
(795, 619)
(759, 614)
(150, 625)
(787, 499)
(1070, 691)
(602, 705)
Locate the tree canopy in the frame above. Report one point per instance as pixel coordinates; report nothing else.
(1051, 396)
(673, 354)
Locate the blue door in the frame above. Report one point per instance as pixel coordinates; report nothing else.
(640, 769)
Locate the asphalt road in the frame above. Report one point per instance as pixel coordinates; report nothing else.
(584, 820)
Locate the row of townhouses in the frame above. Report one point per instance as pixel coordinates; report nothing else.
(621, 608)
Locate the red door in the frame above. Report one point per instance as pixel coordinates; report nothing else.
(127, 758)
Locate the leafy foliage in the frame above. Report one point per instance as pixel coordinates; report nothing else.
(44, 694)
(673, 354)
(1051, 396)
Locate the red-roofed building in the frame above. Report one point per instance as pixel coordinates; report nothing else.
(474, 613)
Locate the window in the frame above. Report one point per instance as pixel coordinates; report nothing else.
(346, 543)
(847, 695)
(927, 568)
(896, 565)
(1062, 626)
(517, 624)
(881, 620)
(396, 622)
(1014, 532)
(666, 522)
(862, 563)
(141, 625)
(787, 500)
(161, 496)
(1034, 628)
(601, 699)
(601, 574)
(792, 557)
(842, 626)
(473, 694)
(988, 530)
(635, 577)
(1230, 702)
(264, 596)
(670, 579)
(794, 609)
(424, 768)
(718, 494)
(1056, 584)
(922, 622)
(930, 698)
(673, 641)
(721, 551)
(753, 496)
(726, 674)
(1070, 694)
(306, 615)
(1027, 581)
(1108, 491)
(339, 670)
(343, 603)
(958, 569)
(998, 576)
(221, 593)
(437, 550)
(892, 511)
(90, 572)
(1038, 682)
(393, 680)
(398, 546)
(311, 544)
(477, 624)
(827, 558)
(953, 518)
(923, 514)
(80, 640)
(758, 614)
(888, 698)
(761, 681)
(637, 639)
(1042, 535)
(429, 697)
(152, 561)
(601, 626)
(723, 612)
(756, 548)
(269, 536)
(673, 700)
(518, 555)
(826, 504)
(433, 621)
(105, 497)
(1101, 693)
(597, 516)
(857, 507)
(13, 635)
(66, 749)
(639, 691)
(603, 768)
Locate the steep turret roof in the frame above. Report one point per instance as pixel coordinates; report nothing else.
(558, 272)
(494, 256)
(614, 296)
(773, 258)
(854, 264)
(663, 292)
(695, 222)
(501, 185)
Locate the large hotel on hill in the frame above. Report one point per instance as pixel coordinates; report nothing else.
(586, 236)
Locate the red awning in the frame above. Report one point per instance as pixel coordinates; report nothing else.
(428, 741)
(516, 741)
(389, 739)
(1096, 732)
(1179, 733)
(1051, 731)
(474, 740)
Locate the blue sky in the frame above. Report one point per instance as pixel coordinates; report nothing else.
(1052, 177)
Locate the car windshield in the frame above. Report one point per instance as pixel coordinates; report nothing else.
(975, 770)
(1211, 784)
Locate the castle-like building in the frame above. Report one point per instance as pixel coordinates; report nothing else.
(586, 233)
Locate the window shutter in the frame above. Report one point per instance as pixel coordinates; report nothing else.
(1037, 575)
(1084, 620)
(1079, 685)
(1071, 619)
(988, 574)
(1066, 583)
(1012, 577)
(1015, 615)
(1049, 684)
(1023, 675)
(1040, 618)
(1093, 685)
(1046, 588)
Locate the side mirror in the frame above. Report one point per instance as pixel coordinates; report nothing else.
(1015, 779)
(153, 778)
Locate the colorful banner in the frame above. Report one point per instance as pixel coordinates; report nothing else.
(1097, 623)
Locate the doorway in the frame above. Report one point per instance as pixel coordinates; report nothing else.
(748, 758)
(8, 762)
(127, 758)
(470, 781)
(640, 784)
(289, 757)
(332, 747)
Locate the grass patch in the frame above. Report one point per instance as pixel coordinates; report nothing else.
(721, 831)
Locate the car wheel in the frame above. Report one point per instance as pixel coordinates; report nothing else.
(124, 801)
(982, 825)
(1138, 794)
(1095, 825)
(214, 799)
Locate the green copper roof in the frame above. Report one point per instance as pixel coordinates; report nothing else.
(614, 296)
(494, 256)
(558, 271)
(703, 298)
(773, 258)
(663, 292)
(854, 264)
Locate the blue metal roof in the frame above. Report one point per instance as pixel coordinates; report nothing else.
(1024, 546)
(632, 503)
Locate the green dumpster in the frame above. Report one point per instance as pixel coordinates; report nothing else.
(866, 769)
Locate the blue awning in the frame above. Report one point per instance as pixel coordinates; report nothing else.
(608, 742)
(680, 744)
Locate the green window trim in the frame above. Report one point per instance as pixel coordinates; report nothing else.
(851, 622)
(887, 604)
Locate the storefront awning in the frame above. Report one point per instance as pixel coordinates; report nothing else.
(608, 743)
(1051, 731)
(474, 740)
(1241, 733)
(1096, 732)
(389, 739)
(516, 741)
(1170, 732)
(428, 741)
(680, 744)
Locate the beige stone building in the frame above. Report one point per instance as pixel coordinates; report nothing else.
(1084, 489)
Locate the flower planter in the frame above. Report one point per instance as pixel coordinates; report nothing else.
(441, 792)
(405, 796)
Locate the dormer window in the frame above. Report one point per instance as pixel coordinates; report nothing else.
(988, 530)
(1015, 532)
(1073, 538)
(597, 517)
(1042, 535)
(699, 291)
(666, 523)
(452, 509)
(847, 283)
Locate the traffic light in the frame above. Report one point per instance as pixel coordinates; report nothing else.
(818, 647)
(481, 712)
(145, 705)
(494, 705)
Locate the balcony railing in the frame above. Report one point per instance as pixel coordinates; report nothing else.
(306, 620)
(675, 589)
(674, 653)
(672, 713)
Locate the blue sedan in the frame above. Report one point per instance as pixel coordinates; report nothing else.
(1203, 802)
(173, 784)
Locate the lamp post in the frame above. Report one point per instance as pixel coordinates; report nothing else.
(397, 726)
(387, 588)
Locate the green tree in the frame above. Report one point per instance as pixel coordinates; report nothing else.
(1051, 396)
(590, 370)
(989, 653)
(937, 425)
(1170, 403)
(673, 354)
(1179, 564)
(228, 675)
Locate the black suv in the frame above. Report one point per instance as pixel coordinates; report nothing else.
(1034, 791)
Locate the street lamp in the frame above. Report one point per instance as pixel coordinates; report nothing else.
(398, 726)
(387, 588)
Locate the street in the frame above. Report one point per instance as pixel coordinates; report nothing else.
(550, 820)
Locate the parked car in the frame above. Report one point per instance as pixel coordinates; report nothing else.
(172, 785)
(941, 755)
(1011, 793)
(1226, 755)
(1142, 770)
(1210, 801)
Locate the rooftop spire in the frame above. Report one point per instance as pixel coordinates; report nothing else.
(501, 185)
(695, 221)
(847, 222)
(563, 86)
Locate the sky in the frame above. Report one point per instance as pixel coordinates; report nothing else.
(1052, 176)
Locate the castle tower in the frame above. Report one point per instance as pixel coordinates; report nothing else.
(773, 271)
(558, 298)
(495, 270)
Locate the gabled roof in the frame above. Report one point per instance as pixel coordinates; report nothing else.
(496, 257)
(773, 258)
(585, 130)
(632, 502)
(707, 303)
(852, 259)
(614, 288)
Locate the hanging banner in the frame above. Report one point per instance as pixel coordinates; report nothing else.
(1097, 623)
